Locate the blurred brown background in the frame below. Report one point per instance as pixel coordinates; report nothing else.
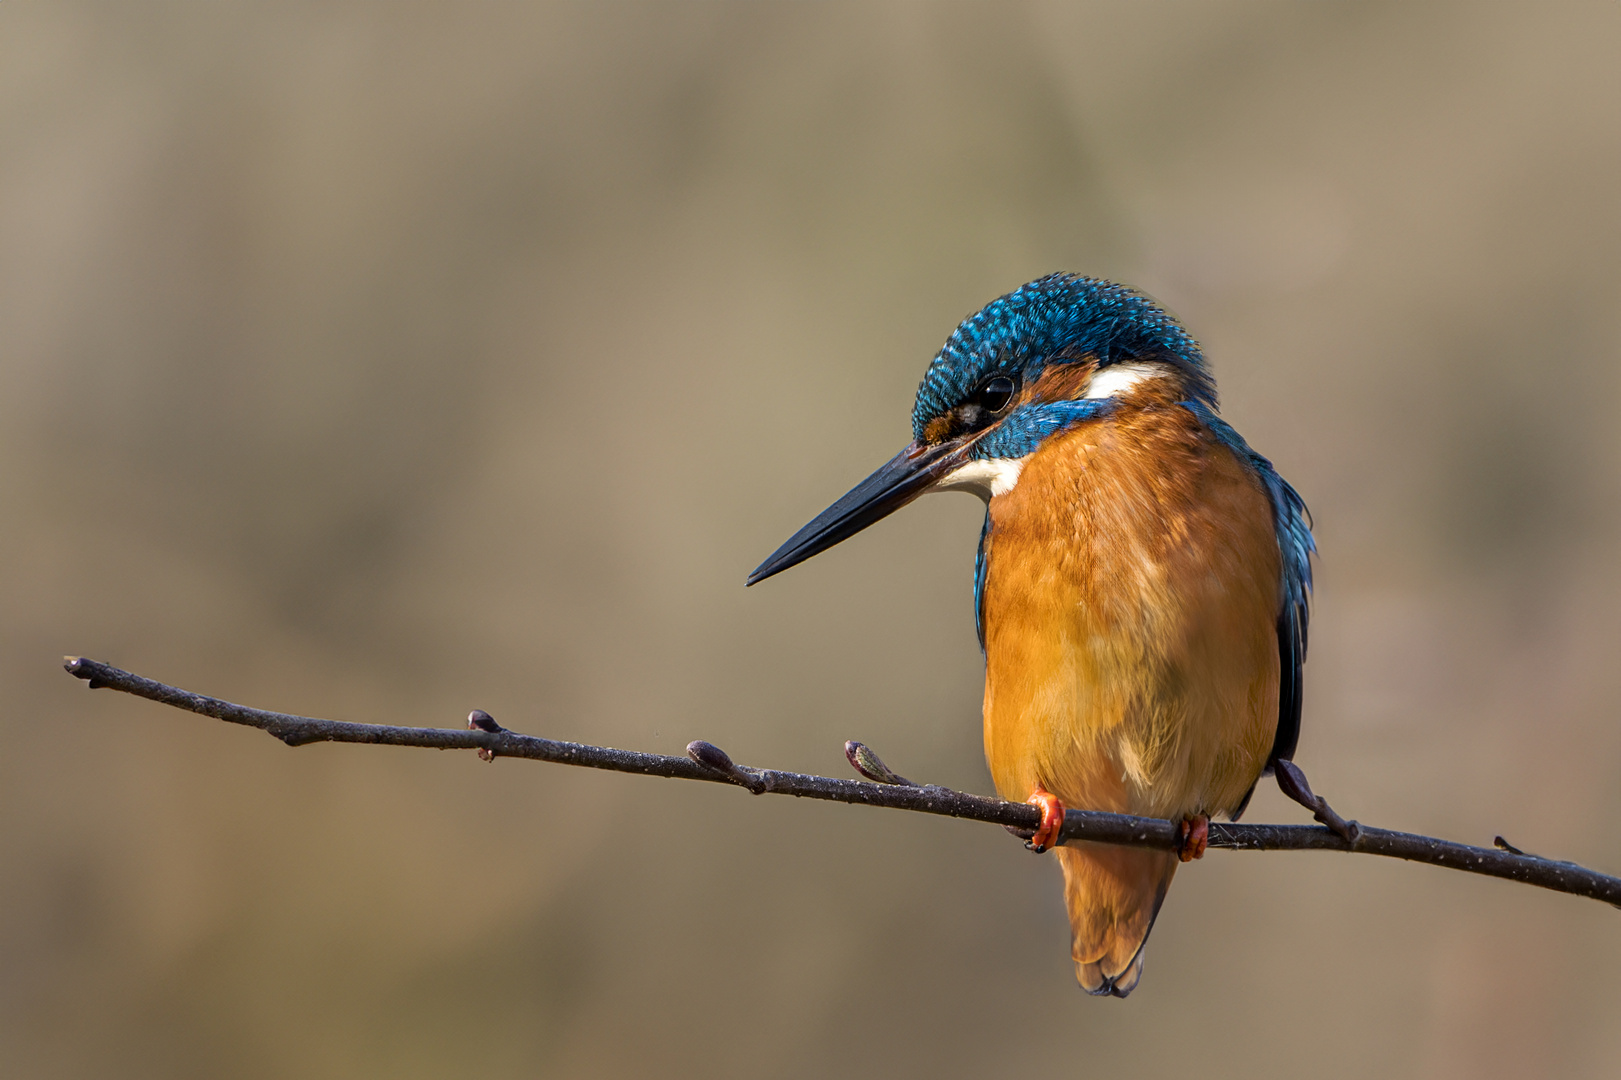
(387, 361)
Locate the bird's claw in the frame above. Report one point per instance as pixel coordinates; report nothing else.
(1052, 820)
(1195, 838)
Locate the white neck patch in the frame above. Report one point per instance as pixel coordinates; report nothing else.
(986, 478)
(1118, 379)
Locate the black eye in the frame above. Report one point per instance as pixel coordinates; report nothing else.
(994, 396)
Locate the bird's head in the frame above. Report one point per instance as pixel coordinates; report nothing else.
(1055, 352)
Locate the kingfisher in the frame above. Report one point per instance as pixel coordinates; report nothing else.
(1141, 587)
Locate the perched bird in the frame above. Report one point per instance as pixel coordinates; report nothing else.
(1140, 591)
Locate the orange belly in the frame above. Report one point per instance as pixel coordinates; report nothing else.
(1130, 606)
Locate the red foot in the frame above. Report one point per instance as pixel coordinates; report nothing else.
(1195, 837)
(1052, 819)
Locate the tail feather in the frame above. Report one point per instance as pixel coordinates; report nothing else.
(1113, 895)
(1096, 983)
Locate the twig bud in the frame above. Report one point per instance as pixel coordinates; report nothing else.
(483, 721)
(868, 764)
(479, 720)
(713, 757)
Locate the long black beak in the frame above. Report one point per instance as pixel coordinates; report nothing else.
(897, 482)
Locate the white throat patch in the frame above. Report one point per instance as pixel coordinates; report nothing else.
(1118, 379)
(985, 478)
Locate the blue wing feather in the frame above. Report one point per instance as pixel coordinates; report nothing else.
(1292, 523)
(979, 580)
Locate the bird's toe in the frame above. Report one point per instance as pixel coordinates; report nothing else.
(1195, 837)
(1052, 819)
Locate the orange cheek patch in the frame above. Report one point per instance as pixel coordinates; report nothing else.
(1061, 382)
(938, 429)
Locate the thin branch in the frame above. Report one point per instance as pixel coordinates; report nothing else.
(710, 763)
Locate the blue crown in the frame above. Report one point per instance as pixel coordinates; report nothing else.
(1060, 318)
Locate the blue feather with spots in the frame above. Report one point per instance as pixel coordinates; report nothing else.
(1060, 318)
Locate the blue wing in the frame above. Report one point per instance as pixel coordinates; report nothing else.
(979, 580)
(1292, 522)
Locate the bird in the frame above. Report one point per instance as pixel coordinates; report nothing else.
(1141, 588)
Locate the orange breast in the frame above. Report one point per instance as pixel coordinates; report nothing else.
(1130, 605)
